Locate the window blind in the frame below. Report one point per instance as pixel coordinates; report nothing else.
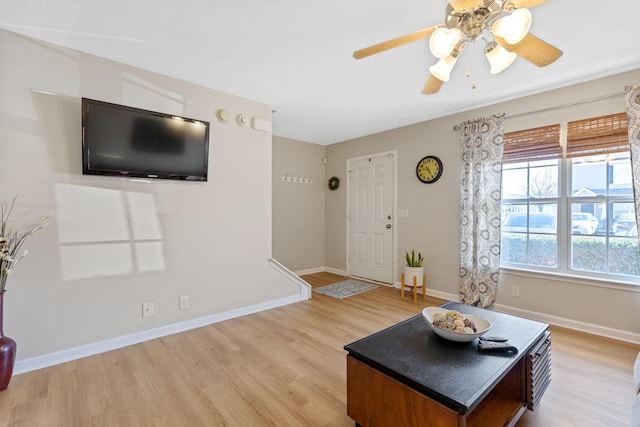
(541, 143)
(598, 135)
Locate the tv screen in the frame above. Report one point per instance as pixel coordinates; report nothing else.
(125, 141)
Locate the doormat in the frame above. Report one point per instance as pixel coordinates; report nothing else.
(345, 289)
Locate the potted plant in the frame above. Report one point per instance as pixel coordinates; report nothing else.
(414, 268)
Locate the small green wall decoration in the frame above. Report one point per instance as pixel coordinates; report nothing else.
(334, 183)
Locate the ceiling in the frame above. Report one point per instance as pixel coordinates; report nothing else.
(297, 55)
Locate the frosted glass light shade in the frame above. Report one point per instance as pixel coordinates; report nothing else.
(442, 69)
(499, 58)
(443, 40)
(513, 27)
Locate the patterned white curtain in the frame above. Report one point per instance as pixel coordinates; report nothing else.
(482, 146)
(633, 119)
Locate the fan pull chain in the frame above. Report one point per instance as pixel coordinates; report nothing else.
(473, 82)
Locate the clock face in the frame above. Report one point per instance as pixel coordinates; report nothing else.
(429, 169)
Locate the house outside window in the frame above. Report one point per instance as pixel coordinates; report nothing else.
(567, 201)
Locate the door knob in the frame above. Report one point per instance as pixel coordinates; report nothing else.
(388, 225)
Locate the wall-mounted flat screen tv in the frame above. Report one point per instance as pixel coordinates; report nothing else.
(124, 141)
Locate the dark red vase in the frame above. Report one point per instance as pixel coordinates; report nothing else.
(7, 353)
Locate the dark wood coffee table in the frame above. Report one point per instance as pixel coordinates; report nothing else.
(406, 375)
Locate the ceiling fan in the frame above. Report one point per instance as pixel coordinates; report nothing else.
(503, 24)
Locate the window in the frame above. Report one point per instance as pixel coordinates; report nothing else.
(530, 197)
(567, 205)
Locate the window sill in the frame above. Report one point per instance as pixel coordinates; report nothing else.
(619, 285)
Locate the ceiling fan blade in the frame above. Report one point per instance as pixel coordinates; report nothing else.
(432, 86)
(527, 3)
(460, 5)
(532, 49)
(390, 44)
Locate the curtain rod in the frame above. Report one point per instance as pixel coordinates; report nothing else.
(569, 104)
(559, 107)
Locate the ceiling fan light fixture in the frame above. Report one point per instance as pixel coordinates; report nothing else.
(502, 24)
(443, 41)
(499, 57)
(442, 69)
(513, 27)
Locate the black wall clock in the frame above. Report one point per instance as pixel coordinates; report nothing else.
(429, 169)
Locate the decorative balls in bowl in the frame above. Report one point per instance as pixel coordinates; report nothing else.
(454, 326)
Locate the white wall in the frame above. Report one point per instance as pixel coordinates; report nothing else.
(88, 272)
(433, 223)
(298, 209)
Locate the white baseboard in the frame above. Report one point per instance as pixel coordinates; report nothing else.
(70, 354)
(321, 270)
(576, 325)
(310, 271)
(590, 328)
(335, 271)
(443, 295)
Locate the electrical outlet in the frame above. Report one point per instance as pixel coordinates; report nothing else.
(515, 291)
(183, 302)
(147, 309)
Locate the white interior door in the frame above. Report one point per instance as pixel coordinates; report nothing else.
(370, 220)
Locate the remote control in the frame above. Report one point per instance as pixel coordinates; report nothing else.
(496, 347)
(494, 339)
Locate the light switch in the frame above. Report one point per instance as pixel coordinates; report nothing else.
(403, 213)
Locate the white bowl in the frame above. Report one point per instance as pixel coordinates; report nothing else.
(482, 325)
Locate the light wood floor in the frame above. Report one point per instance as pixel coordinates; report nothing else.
(286, 367)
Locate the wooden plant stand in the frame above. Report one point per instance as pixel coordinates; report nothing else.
(414, 287)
